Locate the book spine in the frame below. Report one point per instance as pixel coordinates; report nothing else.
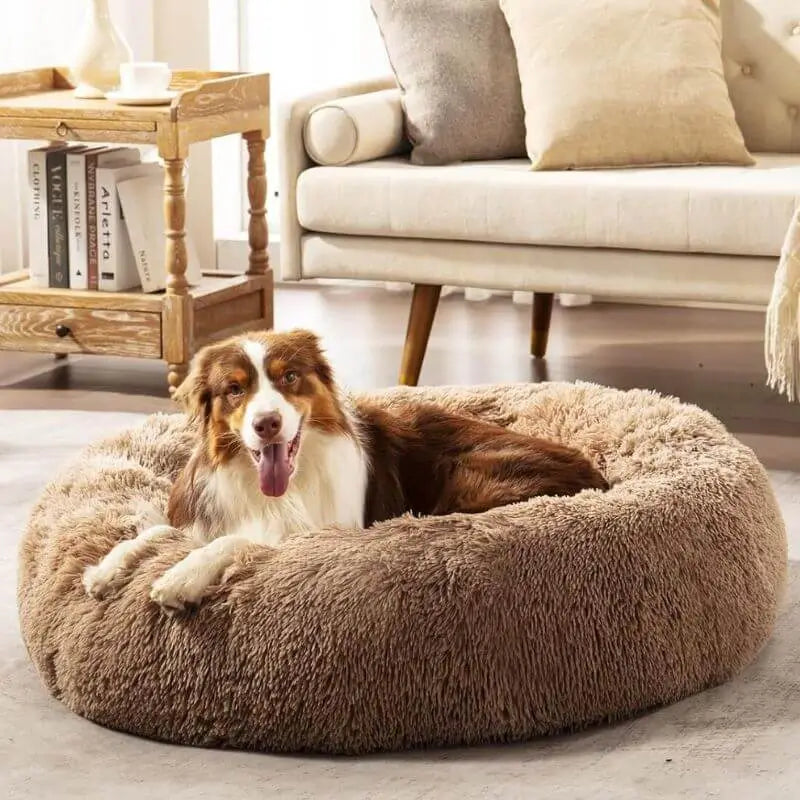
(57, 219)
(91, 222)
(107, 231)
(38, 262)
(76, 223)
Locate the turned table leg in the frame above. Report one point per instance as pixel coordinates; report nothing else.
(258, 232)
(177, 316)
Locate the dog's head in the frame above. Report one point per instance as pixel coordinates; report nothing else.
(256, 395)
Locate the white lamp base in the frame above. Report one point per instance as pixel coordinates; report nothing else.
(86, 92)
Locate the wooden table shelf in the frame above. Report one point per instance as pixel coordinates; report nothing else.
(171, 325)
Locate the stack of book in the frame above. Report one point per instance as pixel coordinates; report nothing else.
(96, 220)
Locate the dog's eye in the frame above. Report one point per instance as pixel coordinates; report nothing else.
(290, 377)
(235, 389)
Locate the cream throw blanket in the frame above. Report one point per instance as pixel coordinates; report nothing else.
(781, 336)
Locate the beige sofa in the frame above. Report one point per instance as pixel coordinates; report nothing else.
(358, 209)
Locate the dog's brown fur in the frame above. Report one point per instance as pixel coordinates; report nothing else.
(428, 461)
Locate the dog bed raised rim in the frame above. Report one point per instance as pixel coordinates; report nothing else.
(539, 617)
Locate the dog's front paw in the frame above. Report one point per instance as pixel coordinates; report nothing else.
(179, 587)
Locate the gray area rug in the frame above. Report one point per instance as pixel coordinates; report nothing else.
(738, 740)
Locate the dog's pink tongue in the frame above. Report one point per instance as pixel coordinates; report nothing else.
(273, 469)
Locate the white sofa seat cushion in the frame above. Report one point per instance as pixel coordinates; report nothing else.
(725, 210)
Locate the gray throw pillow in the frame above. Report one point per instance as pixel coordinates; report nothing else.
(455, 63)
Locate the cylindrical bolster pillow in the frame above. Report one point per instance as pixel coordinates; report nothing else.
(353, 129)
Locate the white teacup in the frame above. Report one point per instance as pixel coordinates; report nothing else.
(144, 78)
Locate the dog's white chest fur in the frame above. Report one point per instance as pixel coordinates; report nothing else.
(329, 488)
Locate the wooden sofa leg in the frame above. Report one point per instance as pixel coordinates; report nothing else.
(420, 320)
(540, 322)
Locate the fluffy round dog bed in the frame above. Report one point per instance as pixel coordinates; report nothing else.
(529, 619)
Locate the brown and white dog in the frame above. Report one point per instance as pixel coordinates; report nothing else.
(281, 452)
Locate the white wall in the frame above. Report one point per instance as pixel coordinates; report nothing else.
(312, 44)
(309, 45)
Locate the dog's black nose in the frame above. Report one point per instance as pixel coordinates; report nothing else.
(267, 425)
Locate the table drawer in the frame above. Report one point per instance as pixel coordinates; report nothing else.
(80, 330)
(79, 130)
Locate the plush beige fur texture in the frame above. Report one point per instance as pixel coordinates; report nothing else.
(529, 619)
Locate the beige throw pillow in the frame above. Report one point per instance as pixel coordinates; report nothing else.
(620, 83)
(455, 63)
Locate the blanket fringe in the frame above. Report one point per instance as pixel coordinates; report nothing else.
(781, 338)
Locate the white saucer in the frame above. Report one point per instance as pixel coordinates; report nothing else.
(125, 99)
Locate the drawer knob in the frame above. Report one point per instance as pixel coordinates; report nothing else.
(62, 129)
(62, 331)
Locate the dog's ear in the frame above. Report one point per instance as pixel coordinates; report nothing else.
(323, 368)
(305, 340)
(194, 394)
(311, 346)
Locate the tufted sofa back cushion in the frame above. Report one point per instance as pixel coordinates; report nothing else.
(761, 50)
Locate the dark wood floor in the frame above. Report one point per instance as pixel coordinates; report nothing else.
(711, 358)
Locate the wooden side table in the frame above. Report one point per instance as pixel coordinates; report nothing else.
(40, 104)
